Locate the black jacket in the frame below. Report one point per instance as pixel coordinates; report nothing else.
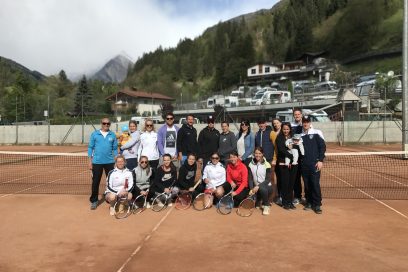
(263, 139)
(282, 149)
(186, 176)
(187, 140)
(208, 141)
(315, 147)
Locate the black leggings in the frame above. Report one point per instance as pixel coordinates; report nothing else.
(97, 171)
(239, 197)
(288, 176)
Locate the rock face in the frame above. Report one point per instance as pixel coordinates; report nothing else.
(114, 70)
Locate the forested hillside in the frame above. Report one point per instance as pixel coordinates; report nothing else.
(218, 59)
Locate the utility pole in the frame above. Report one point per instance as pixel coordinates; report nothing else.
(16, 119)
(405, 81)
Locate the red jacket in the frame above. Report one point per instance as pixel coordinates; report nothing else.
(238, 174)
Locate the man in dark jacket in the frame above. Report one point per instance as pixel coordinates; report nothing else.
(312, 163)
(263, 139)
(187, 139)
(208, 140)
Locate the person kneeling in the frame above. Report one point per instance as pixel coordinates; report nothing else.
(120, 183)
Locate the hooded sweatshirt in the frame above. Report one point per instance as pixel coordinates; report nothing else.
(186, 176)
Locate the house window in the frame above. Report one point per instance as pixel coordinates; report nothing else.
(267, 69)
(253, 71)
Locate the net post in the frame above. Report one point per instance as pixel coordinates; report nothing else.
(405, 82)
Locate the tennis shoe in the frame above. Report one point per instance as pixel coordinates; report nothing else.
(318, 210)
(307, 207)
(148, 206)
(111, 211)
(279, 201)
(296, 201)
(170, 204)
(94, 205)
(265, 210)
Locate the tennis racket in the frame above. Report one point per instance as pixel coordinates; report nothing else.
(185, 198)
(161, 201)
(122, 205)
(140, 203)
(226, 204)
(246, 207)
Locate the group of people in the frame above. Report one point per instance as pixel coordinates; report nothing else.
(170, 161)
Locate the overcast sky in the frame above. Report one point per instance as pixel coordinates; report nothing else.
(80, 36)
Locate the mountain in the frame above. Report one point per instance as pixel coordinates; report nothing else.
(114, 70)
(9, 70)
(347, 31)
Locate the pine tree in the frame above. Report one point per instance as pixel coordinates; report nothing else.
(83, 97)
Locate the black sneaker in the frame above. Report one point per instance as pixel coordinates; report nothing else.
(292, 207)
(307, 207)
(286, 207)
(318, 210)
(94, 205)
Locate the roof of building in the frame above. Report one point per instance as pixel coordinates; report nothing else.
(133, 92)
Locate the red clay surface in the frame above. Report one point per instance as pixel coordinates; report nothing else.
(60, 233)
(45, 148)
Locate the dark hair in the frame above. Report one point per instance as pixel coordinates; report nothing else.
(276, 119)
(225, 122)
(234, 153)
(192, 154)
(167, 155)
(260, 149)
(288, 125)
(297, 109)
(169, 113)
(246, 122)
(190, 114)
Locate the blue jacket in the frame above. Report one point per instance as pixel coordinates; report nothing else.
(102, 150)
(249, 141)
(263, 139)
(161, 138)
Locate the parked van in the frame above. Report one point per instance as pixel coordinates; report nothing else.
(257, 99)
(140, 120)
(318, 116)
(326, 86)
(183, 120)
(276, 97)
(225, 101)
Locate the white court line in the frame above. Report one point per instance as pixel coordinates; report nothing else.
(39, 185)
(370, 196)
(148, 236)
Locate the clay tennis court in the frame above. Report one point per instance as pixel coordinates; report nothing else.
(58, 232)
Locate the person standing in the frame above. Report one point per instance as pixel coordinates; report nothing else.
(187, 139)
(167, 140)
(312, 163)
(263, 139)
(208, 140)
(131, 148)
(287, 172)
(227, 143)
(148, 144)
(276, 125)
(102, 150)
(245, 142)
(297, 129)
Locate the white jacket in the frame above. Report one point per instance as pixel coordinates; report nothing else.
(116, 180)
(148, 146)
(215, 173)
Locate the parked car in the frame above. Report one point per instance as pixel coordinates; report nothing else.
(316, 116)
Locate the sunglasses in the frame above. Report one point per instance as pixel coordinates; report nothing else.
(243, 124)
(215, 158)
(145, 162)
(106, 124)
(149, 125)
(171, 118)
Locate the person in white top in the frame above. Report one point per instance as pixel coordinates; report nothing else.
(167, 140)
(214, 177)
(131, 148)
(119, 183)
(148, 144)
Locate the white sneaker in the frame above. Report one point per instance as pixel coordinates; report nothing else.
(170, 204)
(265, 210)
(296, 201)
(112, 211)
(148, 205)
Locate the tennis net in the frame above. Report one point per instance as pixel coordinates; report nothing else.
(359, 175)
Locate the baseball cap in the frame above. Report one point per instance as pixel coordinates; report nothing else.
(210, 119)
(306, 119)
(125, 128)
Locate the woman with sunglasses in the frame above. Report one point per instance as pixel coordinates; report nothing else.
(237, 178)
(245, 142)
(131, 148)
(214, 177)
(287, 172)
(141, 175)
(260, 178)
(148, 144)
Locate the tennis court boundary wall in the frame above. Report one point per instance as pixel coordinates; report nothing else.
(334, 132)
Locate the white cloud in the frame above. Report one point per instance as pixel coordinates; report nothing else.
(79, 36)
